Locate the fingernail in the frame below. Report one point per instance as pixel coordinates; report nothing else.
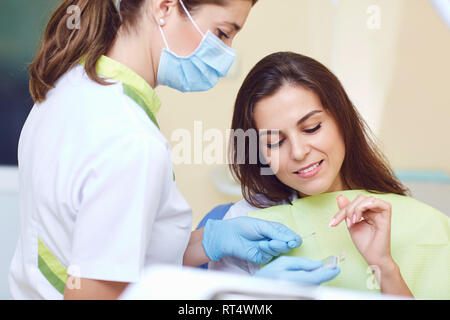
(354, 218)
(332, 222)
(347, 220)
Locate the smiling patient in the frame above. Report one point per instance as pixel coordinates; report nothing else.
(326, 174)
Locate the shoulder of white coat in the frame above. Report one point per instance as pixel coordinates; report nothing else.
(99, 112)
(243, 207)
(240, 209)
(79, 96)
(76, 87)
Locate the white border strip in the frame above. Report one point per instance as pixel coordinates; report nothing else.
(9, 179)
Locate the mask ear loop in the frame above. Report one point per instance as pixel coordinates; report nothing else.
(190, 18)
(163, 37)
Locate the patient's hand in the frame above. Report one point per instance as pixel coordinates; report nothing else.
(369, 222)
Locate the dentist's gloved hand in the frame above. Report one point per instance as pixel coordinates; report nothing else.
(249, 239)
(296, 269)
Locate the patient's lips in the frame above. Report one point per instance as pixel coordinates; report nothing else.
(310, 171)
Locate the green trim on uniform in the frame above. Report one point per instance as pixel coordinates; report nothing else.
(112, 69)
(129, 91)
(51, 268)
(133, 85)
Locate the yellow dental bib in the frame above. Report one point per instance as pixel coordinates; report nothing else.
(419, 241)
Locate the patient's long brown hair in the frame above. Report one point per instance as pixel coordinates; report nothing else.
(364, 165)
(65, 43)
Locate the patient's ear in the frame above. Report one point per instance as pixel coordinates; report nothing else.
(342, 201)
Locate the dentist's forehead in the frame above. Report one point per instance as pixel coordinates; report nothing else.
(234, 13)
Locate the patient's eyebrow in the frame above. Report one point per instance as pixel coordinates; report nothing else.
(309, 115)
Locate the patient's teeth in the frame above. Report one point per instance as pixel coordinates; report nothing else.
(311, 168)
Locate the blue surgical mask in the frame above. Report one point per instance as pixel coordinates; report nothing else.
(201, 70)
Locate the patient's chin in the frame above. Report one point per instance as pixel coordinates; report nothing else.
(312, 188)
(312, 191)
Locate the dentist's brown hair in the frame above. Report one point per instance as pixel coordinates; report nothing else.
(62, 47)
(364, 165)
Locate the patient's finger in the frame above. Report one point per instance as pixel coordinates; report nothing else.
(343, 202)
(363, 206)
(351, 210)
(346, 210)
(378, 212)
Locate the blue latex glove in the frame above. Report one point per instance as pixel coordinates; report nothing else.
(297, 269)
(246, 238)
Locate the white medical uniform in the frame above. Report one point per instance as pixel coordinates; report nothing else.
(98, 198)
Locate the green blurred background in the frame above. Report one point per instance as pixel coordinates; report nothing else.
(21, 26)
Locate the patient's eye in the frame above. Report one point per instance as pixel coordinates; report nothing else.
(275, 145)
(314, 129)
